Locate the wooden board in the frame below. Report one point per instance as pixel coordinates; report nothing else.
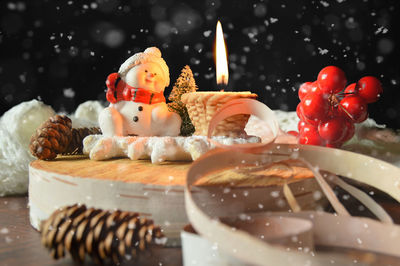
(126, 170)
(156, 191)
(167, 173)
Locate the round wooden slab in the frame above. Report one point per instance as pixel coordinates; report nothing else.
(124, 169)
(155, 191)
(166, 173)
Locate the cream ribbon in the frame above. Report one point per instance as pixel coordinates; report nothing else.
(340, 230)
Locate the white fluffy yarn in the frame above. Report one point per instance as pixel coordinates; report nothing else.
(17, 126)
(22, 120)
(87, 114)
(14, 161)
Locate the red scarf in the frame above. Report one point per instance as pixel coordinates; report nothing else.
(142, 95)
(118, 90)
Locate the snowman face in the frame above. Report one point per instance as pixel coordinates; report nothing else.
(146, 76)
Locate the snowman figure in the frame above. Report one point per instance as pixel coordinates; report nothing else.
(137, 103)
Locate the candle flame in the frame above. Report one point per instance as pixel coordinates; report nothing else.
(221, 57)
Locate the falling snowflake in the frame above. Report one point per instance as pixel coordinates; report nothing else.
(93, 5)
(69, 93)
(19, 6)
(382, 30)
(324, 3)
(207, 33)
(260, 10)
(22, 77)
(273, 20)
(322, 51)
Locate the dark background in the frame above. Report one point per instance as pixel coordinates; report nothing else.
(62, 51)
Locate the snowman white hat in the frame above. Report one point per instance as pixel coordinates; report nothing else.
(151, 54)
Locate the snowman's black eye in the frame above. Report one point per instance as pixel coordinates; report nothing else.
(155, 74)
(146, 71)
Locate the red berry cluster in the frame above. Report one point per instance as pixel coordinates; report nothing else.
(328, 111)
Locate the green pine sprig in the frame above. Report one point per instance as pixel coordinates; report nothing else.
(185, 83)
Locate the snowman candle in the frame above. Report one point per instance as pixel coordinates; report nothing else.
(137, 104)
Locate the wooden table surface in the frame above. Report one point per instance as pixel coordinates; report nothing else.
(20, 243)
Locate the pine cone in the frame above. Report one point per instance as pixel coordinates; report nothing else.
(52, 137)
(103, 235)
(78, 134)
(56, 136)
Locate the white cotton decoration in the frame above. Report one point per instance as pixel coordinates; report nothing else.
(14, 161)
(17, 126)
(22, 120)
(87, 114)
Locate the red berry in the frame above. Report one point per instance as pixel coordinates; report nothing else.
(331, 80)
(332, 130)
(299, 111)
(354, 107)
(293, 133)
(309, 135)
(315, 106)
(334, 112)
(369, 88)
(351, 89)
(350, 130)
(306, 88)
(308, 128)
(301, 124)
(314, 123)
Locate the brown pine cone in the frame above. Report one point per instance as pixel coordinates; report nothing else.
(56, 136)
(52, 137)
(78, 134)
(103, 235)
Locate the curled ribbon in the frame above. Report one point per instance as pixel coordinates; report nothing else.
(248, 107)
(340, 230)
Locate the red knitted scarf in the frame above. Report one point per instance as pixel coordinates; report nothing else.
(142, 95)
(118, 90)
